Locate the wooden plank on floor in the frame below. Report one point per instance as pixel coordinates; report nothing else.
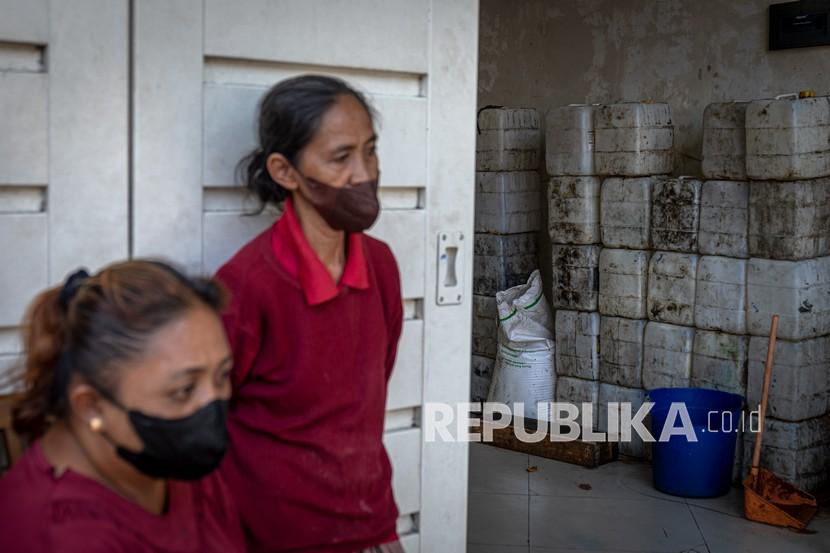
(586, 454)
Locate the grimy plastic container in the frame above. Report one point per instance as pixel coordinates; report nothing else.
(579, 391)
(621, 351)
(667, 355)
(625, 213)
(577, 344)
(575, 277)
(509, 139)
(675, 214)
(573, 210)
(671, 287)
(720, 294)
(633, 139)
(482, 369)
(485, 325)
(701, 468)
(797, 290)
(789, 220)
(569, 141)
(724, 141)
(719, 361)
(724, 218)
(800, 383)
(507, 202)
(610, 393)
(788, 138)
(622, 283)
(502, 261)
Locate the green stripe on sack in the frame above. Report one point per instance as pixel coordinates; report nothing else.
(509, 316)
(519, 351)
(528, 306)
(537, 300)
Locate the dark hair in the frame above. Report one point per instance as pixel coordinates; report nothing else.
(288, 116)
(91, 325)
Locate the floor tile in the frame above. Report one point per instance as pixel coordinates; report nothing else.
(619, 479)
(637, 480)
(497, 519)
(700, 548)
(729, 504)
(734, 534)
(496, 470)
(613, 508)
(482, 548)
(612, 524)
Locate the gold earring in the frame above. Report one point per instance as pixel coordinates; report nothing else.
(96, 424)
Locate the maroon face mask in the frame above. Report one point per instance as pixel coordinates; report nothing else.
(352, 208)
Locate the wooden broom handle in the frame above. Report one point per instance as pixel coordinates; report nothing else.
(762, 414)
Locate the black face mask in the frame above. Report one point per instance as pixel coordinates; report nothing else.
(188, 448)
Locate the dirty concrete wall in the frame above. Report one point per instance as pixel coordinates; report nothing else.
(689, 53)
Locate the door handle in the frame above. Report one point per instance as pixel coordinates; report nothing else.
(450, 289)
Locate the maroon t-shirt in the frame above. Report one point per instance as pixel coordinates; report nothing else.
(312, 358)
(71, 513)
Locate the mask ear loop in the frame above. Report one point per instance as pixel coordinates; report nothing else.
(100, 430)
(96, 424)
(312, 183)
(318, 184)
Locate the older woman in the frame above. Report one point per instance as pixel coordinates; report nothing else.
(314, 324)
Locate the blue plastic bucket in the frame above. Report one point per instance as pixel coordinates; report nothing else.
(688, 468)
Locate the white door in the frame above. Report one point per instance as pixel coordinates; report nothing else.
(199, 68)
(64, 121)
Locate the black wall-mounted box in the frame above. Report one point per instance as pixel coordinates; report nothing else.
(799, 24)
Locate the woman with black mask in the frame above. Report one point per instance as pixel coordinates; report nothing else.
(126, 386)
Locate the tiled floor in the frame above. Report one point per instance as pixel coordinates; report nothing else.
(558, 507)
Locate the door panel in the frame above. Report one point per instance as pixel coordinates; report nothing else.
(230, 133)
(195, 118)
(24, 89)
(198, 71)
(230, 129)
(404, 447)
(23, 279)
(88, 194)
(375, 34)
(167, 133)
(225, 233)
(63, 148)
(453, 54)
(25, 21)
(403, 230)
(405, 383)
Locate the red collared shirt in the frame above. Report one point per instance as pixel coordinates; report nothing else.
(312, 358)
(294, 253)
